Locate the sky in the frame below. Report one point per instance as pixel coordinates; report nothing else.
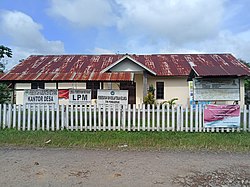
(32, 27)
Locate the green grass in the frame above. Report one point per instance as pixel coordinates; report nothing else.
(134, 140)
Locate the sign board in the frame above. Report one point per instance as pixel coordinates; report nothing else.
(79, 96)
(227, 116)
(41, 96)
(112, 97)
(216, 89)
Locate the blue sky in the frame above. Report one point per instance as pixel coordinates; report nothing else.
(124, 26)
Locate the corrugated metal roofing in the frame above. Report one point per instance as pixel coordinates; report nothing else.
(88, 67)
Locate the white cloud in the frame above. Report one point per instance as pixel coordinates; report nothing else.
(25, 36)
(178, 21)
(83, 13)
(98, 50)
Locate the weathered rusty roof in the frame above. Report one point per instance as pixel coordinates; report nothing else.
(89, 67)
(220, 65)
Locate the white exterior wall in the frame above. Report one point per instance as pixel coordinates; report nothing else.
(173, 88)
(20, 94)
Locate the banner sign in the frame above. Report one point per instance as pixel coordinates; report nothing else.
(41, 96)
(63, 94)
(112, 97)
(222, 116)
(216, 89)
(79, 96)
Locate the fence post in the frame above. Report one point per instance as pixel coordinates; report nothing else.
(52, 117)
(196, 118)
(153, 117)
(109, 117)
(182, 121)
(119, 117)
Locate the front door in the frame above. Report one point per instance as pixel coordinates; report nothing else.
(131, 87)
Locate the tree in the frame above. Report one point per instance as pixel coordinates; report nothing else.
(4, 90)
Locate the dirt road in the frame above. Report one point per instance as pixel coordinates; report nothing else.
(71, 167)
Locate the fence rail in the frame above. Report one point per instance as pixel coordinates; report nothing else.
(110, 118)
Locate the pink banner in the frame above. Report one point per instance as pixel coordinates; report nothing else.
(222, 116)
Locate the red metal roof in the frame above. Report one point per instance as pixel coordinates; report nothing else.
(88, 67)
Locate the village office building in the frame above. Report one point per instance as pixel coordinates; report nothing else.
(168, 73)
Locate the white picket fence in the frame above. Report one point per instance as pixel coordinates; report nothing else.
(110, 118)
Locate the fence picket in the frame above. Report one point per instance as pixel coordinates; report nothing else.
(62, 117)
(43, 117)
(153, 118)
(85, 118)
(124, 118)
(38, 117)
(119, 117)
(148, 118)
(14, 116)
(48, 117)
(163, 117)
(28, 118)
(95, 118)
(173, 118)
(57, 117)
(9, 115)
(90, 117)
(67, 117)
(158, 117)
(34, 117)
(114, 118)
(245, 118)
(99, 118)
(71, 117)
(178, 118)
(53, 117)
(168, 118)
(24, 118)
(182, 122)
(143, 117)
(104, 118)
(200, 118)
(76, 118)
(129, 117)
(4, 115)
(134, 119)
(196, 118)
(186, 119)
(109, 117)
(18, 117)
(138, 118)
(191, 118)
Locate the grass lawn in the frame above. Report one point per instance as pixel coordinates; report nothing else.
(128, 140)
